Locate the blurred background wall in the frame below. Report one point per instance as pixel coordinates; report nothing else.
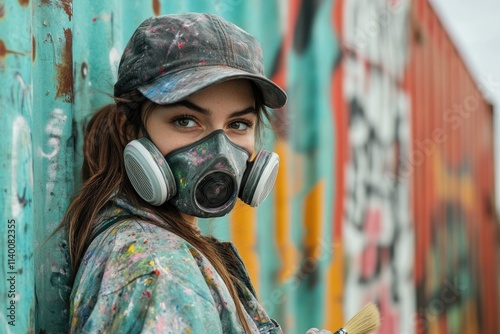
(386, 185)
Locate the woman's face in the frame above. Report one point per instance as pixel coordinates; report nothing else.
(228, 106)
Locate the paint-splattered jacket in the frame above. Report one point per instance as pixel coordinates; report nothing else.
(137, 277)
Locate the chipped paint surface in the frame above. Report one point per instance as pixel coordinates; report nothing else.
(3, 49)
(65, 69)
(66, 5)
(33, 48)
(156, 7)
(17, 217)
(53, 77)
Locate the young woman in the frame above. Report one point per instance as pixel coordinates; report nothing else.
(178, 143)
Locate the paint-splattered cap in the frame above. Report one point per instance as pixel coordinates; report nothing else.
(171, 57)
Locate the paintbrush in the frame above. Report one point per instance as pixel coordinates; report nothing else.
(365, 321)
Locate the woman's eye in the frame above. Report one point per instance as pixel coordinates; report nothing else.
(239, 125)
(185, 122)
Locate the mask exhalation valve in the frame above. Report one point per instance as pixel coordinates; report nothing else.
(215, 190)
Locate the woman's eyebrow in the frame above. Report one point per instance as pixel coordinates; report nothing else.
(195, 107)
(192, 106)
(249, 110)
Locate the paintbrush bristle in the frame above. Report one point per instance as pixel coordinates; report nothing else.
(365, 321)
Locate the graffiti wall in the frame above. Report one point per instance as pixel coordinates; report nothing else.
(377, 223)
(451, 167)
(384, 191)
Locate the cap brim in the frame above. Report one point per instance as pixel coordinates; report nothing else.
(177, 86)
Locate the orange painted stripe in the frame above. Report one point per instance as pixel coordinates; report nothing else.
(314, 209)
(286, 251)
(334, 312)
(244, 236)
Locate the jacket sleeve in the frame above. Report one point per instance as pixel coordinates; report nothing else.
(133, 281)
(139, 307)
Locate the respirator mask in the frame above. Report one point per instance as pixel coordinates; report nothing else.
(203, 179)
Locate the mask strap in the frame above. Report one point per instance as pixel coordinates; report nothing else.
(145, 132)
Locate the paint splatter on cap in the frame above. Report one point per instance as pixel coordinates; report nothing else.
(171, 57)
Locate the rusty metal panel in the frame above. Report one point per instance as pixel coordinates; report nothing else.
(17, 197)
(456, 257)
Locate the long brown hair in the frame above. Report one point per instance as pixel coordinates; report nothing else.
(103, 173)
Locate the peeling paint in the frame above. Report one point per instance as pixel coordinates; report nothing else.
(84, 70)
(4, 50)
(24, 3)
(65, 70)
(156, 7)
(66, 5)
(33, 48)
(2, 10)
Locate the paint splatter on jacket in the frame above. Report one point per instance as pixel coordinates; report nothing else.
(136, 277)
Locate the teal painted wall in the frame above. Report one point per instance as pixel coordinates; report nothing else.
(18, 190)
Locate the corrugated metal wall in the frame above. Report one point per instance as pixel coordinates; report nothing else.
(451, 165)
(377, 219)
(16, 165)
(357, 214)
